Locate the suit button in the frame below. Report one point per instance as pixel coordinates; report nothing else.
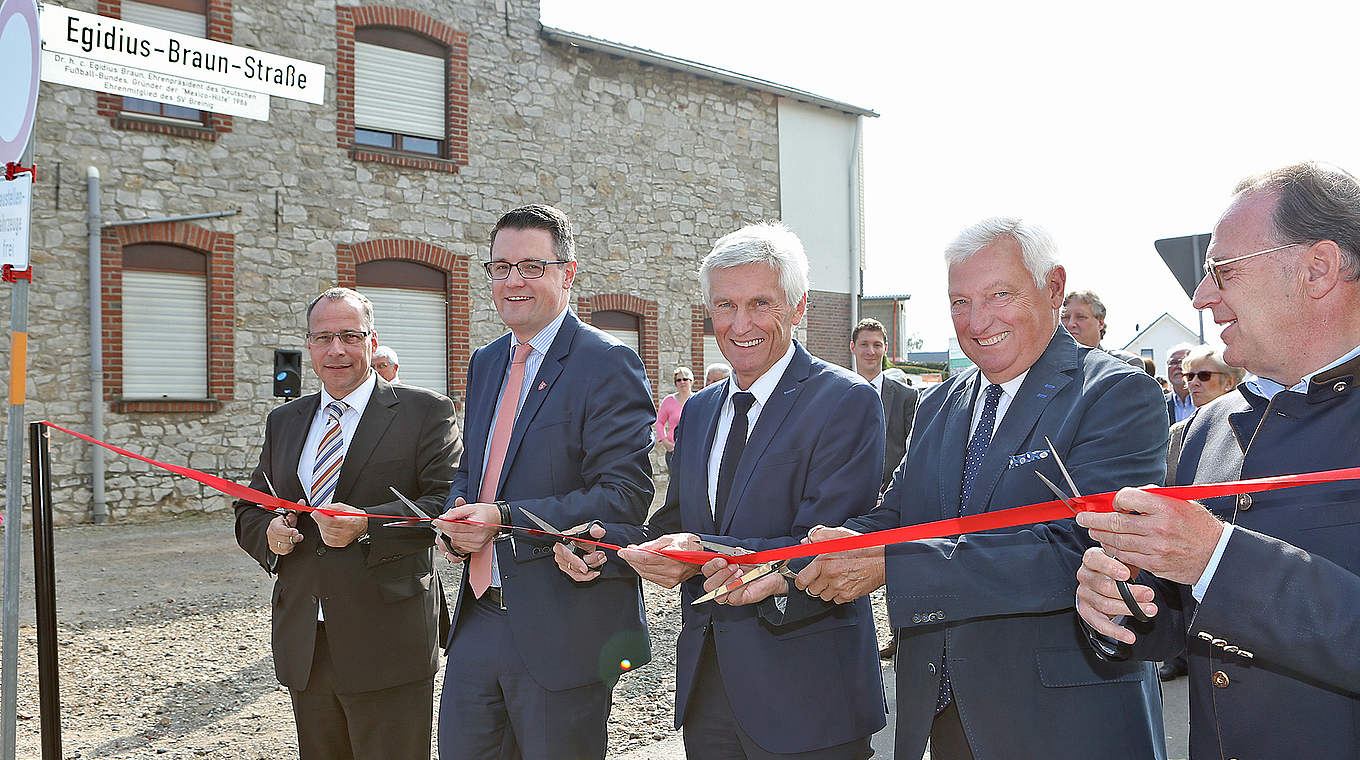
(1244, 653)
(931, 668)
(1230, 649)
(1339, 387)
(916, 618)
(1205, 635)
(1244, 501)
(1219, 643)
(320, 550)
(939, 614)
(1221, 679)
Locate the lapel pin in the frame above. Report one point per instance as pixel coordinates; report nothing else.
(542, 385)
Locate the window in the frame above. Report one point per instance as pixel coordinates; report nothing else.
(182, 16)
(411, 316)
(712, 354)
(621, 325)
(399, 91)
(165, 323)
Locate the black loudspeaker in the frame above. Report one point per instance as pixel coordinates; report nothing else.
(287, 373)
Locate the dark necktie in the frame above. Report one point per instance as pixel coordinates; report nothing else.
(972, 463)
(732, 448)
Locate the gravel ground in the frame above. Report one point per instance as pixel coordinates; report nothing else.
(164, 650)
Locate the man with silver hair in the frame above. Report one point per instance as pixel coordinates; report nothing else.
(716, 373)
(788, 443)
(385, 363)
(990, 659)
(1261, 589)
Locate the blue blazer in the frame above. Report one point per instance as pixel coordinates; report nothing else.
(1024, 681)
(578, 451)
(807, 678)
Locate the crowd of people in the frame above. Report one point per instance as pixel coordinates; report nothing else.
(1032, 641)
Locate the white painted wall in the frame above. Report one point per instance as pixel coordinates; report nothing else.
(1161, 336)
(817, 161)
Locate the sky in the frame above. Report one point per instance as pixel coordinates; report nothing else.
(1110, 124)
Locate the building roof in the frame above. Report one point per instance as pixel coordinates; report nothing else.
(1166, 317)
(698, 69)
(890, 297)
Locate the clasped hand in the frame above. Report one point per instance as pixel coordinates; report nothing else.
(466, 537)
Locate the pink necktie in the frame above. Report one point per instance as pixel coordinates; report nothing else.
(480, 567)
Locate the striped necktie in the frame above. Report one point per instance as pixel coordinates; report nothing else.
(330, 455)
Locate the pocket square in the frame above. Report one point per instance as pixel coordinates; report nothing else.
(1018, 460)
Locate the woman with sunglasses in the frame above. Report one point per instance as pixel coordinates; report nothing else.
(1207, 376)
(668, 416)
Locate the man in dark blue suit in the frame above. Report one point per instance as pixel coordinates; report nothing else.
(1260, 589)
(558, 422)
(991, 661)
(786, 443)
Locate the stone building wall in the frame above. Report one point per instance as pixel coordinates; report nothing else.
(651, 164)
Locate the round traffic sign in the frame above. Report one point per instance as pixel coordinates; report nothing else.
(20, 43)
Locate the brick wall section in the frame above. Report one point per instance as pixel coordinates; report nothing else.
(828, 326)
(458, 337)
(696, 343)
(219, 247)
(220, 28)
(350, 18)
(646, 312)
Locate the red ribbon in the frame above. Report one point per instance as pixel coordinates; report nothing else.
(1005, 518)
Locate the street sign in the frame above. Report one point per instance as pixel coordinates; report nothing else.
(111, 55)
(15, 199)
(1184, 256)
(19, 44)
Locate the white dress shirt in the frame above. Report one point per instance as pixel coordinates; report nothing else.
(1008, 391)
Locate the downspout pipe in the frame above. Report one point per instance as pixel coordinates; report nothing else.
(94, 226)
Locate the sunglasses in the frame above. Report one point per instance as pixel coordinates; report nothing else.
(1202, 375)
(684, 379)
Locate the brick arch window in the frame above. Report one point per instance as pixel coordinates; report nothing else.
(618, 311)
(409, 278)
(211, 19)
(401, 88)
(169, 317)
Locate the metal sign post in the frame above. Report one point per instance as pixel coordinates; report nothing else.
(19, 59)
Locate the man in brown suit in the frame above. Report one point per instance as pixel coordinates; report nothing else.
(356, 603)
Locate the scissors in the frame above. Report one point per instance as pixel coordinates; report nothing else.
(1123, 586)
(564, 538)
(427, 522)
(755, 573)
(278, 510)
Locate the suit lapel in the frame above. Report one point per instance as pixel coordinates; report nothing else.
(378, 415)
(484, 386)
(781, 401)
(1046, 378)
(541, 385)
(954, 447)
(699, 482)
(294, 437)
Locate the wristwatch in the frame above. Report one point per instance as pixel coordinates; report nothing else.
(504, 507)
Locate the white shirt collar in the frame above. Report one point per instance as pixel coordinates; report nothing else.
(877, 382)
(1267, 388)
(357, 400)
(764, 385)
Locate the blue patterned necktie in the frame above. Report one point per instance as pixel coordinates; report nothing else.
(330, 455)
(972, 463)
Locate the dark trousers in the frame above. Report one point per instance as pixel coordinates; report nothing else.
(711, 731)
(492, 708)
(385, 724)
(947, 739)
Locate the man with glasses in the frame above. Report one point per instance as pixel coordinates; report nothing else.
(351, 588)
(1178, 402)
(558, 423)
(1273, 578)
(385, 364)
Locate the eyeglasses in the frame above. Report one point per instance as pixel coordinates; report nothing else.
(348, 337)
(1203, 375)
(684, 379)
(383, 365)
(529, 269)
(1211, 266)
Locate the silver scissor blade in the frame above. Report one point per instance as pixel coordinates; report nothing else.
(1056, 491)
(272, 492)
(540, 522)
(411, 505)
(1062, 467)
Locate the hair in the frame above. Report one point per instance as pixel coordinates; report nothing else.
(337, 294)
(386, 351)
(540, 216)
(1214, 356)
(1149, 366)
(1315, 202)
(1037, 250)
(683, 372)
(770, 243)
(868, 323)
(1179, 347)
(717, 367)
